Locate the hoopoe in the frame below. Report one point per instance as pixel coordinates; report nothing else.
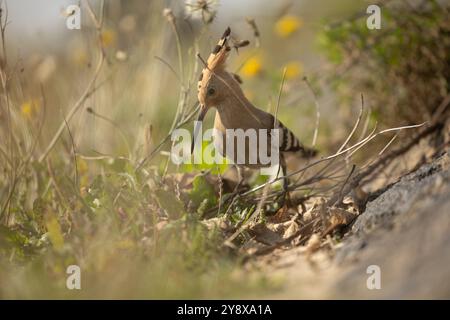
(221, 90)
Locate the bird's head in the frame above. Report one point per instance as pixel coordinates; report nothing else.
(216, 85)
(213, 85)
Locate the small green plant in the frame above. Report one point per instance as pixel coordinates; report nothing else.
(402, 68)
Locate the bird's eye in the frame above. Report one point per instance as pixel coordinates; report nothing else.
(211, 91)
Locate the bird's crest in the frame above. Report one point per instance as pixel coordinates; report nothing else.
(218, 56)
(217, 59)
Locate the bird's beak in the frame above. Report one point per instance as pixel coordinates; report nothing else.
(197, 127)
(202, 114)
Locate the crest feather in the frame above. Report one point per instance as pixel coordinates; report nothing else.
(218, 56)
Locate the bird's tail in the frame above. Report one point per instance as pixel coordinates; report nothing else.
(304, 152)
(290, 143)
(307, 153)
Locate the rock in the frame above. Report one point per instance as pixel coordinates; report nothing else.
(406, 232)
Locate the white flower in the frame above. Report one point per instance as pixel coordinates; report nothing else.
(202, 9)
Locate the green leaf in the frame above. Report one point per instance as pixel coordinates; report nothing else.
(202, 191)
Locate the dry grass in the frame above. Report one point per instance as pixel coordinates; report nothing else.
(85, 177)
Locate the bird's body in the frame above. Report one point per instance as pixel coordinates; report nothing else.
(221, 89)
(250, 119)
(224, 120)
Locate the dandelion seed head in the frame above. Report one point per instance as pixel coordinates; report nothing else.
(205, 10)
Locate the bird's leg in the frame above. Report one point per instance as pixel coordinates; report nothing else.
(240, 179)
(285, 194)
(235, 193)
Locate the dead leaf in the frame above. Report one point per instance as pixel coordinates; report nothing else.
(338, 217)
(291, 229)
(252, 246)
(282, 215)
(313, 209)
(265, 235)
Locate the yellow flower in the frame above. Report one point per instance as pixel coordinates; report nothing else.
(287, 25)
(293, 69)
(252, 67)
(28, 108)
(108, 38)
